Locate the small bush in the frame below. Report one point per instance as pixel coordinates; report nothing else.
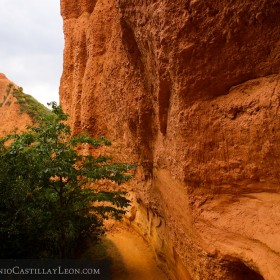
(50, 201)
(9, 87)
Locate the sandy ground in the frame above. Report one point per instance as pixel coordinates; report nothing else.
(132, 258)
(129, 254)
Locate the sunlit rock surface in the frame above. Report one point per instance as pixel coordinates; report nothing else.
(190, 91)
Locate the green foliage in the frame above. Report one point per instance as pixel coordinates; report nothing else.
(30, 105)
(9, 88)
(8, 91)
(49, 201)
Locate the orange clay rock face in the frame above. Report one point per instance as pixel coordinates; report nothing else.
(189, 90)
(10, 117)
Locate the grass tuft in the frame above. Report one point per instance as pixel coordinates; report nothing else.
(30, 105)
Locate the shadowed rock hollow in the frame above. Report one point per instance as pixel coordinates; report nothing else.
(190, 91)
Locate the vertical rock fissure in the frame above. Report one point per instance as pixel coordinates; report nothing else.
(163, 104)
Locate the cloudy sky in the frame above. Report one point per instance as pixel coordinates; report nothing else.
(31, 46)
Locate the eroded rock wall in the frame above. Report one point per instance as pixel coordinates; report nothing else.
(190, 91)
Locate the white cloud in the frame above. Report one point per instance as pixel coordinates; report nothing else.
(31, 46)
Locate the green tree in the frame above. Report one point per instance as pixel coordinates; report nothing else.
(49, 201)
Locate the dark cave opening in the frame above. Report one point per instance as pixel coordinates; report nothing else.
(237, 270)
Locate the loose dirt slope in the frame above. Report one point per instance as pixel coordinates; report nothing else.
(18, 109)
(11, 118)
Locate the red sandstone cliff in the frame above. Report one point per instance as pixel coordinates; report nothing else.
(189, 90)
(10, 117)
